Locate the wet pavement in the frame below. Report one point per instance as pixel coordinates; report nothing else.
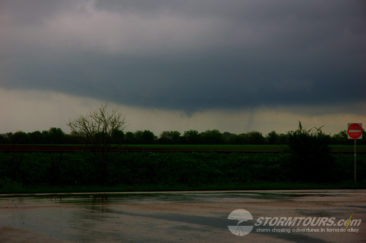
(185, 216)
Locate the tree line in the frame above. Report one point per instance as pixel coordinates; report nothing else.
(58, 136)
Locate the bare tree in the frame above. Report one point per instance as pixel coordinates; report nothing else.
(98, 126)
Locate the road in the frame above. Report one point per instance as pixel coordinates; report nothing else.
(185, 216)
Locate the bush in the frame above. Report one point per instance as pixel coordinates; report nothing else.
(310, 155)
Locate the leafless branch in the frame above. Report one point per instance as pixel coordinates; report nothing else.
(97, 126)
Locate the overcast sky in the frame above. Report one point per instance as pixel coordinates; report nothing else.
(234, 65)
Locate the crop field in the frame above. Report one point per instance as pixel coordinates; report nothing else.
(46, 168)
(173, 148)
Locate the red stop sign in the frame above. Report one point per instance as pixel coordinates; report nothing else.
(354, 131)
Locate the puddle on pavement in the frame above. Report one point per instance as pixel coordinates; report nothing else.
(142, 216)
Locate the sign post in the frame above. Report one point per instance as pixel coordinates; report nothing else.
(354, 132)
(354, 161)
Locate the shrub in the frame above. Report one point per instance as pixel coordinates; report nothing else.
(310, 154)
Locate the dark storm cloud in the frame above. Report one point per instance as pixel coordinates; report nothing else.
(188, 55)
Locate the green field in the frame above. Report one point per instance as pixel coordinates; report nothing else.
(145, 170)
(241, 148)
(174, 148)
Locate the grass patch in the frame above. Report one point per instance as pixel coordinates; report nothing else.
(156, 171)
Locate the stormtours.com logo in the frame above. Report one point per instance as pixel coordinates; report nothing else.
(244, 223)
(240, 215)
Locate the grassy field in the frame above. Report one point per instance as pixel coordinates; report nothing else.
(174, 148)
(80, 171)
(255, 148)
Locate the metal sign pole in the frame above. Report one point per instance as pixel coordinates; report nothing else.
(354, 161)
(354, 132)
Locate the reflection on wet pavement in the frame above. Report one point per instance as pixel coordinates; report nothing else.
(171, 216)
